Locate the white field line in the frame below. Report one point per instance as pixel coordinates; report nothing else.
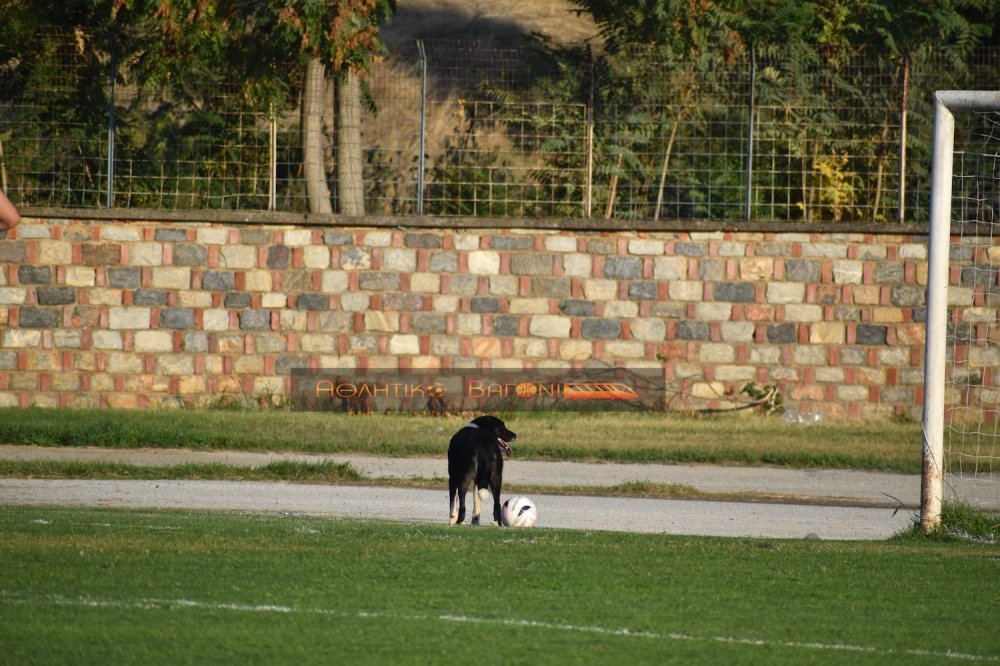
(13, 598)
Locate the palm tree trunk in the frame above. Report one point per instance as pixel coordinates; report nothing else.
(317, 191)
(350, 160)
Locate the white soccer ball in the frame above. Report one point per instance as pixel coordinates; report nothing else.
(519, 512)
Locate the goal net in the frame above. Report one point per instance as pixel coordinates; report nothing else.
(961, 424)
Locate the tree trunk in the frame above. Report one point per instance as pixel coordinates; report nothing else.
(350, 161)
(317, 191)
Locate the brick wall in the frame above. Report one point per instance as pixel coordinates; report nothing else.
(135, 314)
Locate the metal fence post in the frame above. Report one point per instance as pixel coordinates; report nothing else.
(902, 139)
(423, 126)
(110, 193)
(588, 191)
(752, 101)
(272, 160)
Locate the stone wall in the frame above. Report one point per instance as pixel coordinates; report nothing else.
(139, 313)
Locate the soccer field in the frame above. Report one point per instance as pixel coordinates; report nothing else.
(109, 586)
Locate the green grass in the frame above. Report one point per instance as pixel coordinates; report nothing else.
(98, 586)
(662, 438)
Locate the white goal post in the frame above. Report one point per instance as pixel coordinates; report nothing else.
(946, 105)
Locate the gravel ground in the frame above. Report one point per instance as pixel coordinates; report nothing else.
(733, 519)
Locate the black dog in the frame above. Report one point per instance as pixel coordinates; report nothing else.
(475, 458)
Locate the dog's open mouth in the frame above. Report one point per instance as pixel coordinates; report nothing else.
(504, 446)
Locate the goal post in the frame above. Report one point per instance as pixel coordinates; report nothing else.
(946, 105)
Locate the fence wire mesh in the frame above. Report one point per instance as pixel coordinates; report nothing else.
(458, 128)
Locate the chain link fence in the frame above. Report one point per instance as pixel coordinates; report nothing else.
(458, 128)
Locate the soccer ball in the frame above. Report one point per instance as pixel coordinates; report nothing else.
(519, 512)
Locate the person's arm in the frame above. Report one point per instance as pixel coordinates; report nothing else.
(9, 215)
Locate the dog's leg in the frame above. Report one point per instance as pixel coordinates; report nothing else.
(453, 502)
(475, 505)
(497, 519)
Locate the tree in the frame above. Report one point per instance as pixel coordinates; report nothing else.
(339, 36)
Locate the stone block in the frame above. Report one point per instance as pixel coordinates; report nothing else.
(693, 330)
(31, 317)
(740, 292)
(576, 350)
(190, 254)
(101, 254)
(179, 318)
(529, 306)
(334, 282)
(29, 274)
(153, 341)
(670, 268)
(711, 270)
(645, 246)
(782, 334)
(869, 334)
(101, 339)
(600, 329)
(576, 308)
(355, 259)
(238, 256)
(686, 290)
(534, 263)
(378, 238)
(484, 304)
(623, 268)
(908, 295)
(621, 309)
(504, 285)
(313, 302)
(422, 240)
(803, 313)
(400, 260)
(600, 290)
(379, 281)
(80, 276)
(404, 344)
(260, 280)
(59, 253)
(691, 249)
(649, 329)
(549, 326)
(645, 290)
(129, 318)
(378, 321)
(502, 325)
(757, 269)
(560, 243)
(443, 262)
(502, 242)
(13, 295)
(124, 278)
(255, 320)
(171, 277)
(550, 287)
(827, 333)
(316, 257)
(237, 300)
(483, 262)
(55, 295)
(278, 257)
(714, 311)
(847, 272)
(803, 270)
(149, 297)
(737, 331)
(218, 280)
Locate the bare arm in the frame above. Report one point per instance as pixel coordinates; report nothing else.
(9, 215)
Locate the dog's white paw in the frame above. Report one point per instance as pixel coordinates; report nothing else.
(453, 519)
